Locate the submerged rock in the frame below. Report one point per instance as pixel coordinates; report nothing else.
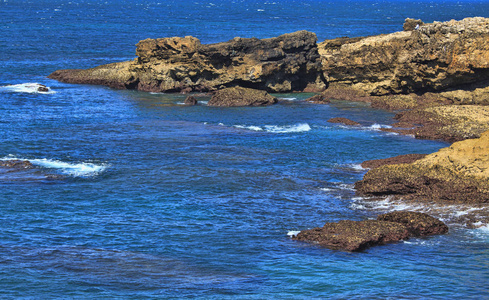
(456, 174)
(238, 96)
(190, 101)
(290, 62)
(358, 235)
(16, 164)
(344, 121)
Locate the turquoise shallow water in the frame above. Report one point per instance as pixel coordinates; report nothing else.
(152, 199)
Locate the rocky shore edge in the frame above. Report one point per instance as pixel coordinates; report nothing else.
(435, 76)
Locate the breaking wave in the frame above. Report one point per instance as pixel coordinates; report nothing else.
(31, 88)
(303, 127)
(65, 168)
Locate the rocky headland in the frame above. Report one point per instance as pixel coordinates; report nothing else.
(290, 62)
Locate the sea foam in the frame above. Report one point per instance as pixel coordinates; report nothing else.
(303, 127)
(70, 169)
(31, 88)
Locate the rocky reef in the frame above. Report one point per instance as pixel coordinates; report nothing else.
(290, 62)
(359, 235)
(456, 174)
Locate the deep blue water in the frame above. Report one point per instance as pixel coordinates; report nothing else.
(152, 199)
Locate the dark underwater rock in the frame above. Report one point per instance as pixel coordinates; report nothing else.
(344, 121)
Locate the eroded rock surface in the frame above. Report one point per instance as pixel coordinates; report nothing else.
(358, 235)
(286, 63)
(435, 57)
(238, 96)
(456, 174)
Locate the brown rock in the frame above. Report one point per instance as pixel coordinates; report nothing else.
(456, 174)
(238, 96)
(318, 99)
(359, 235)
(354, 235)
(434, 58)
(401, 159)
(412, 24)
(190, 101)
(418, 224)
(344, 121)
(286, 63)
(450, 123)
(16, 164)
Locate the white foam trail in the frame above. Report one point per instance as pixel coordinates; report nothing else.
(75, 170)
(293, 233)
(275, 128)
(288, 99)
(356, 167)
(71, 169)
(378, 126)
(254, 128)
(31, 88)
(288, 128)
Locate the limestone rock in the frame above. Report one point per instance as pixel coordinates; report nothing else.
(290, 62)
(433, 58)
(450, 123)
(238, 96)
(456, 174)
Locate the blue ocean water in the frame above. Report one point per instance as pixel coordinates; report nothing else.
(137, 196)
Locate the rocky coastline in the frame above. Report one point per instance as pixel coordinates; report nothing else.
(435, 76)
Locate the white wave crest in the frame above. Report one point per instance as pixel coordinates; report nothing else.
(31, 88)
(71, 169)
(275, 128)
(377, 126)
(288, 99)
(75, 170)
(293, 233)
(288, 128)
(254, 128)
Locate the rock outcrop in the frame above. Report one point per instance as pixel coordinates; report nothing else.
(16, 164)
(432, 58)
(286, 63)
(450, 122)
(239, 96)
(456, 174)
(190, 101)
(358, 235)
